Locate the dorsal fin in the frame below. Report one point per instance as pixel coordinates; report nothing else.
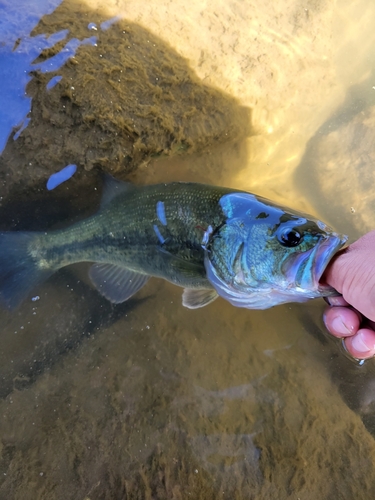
(112, 187)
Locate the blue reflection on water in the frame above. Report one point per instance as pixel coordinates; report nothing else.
(18, 51)
(61, 176)
(22, 127)
(54, 81)
(55, 62)
(107, 24)
(160, 211)
(17, 19)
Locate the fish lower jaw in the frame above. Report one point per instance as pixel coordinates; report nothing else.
(327, 291)
(313, 291)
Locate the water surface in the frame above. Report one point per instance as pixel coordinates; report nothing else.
(148, 399)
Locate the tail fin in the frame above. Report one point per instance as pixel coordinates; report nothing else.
(20, 271)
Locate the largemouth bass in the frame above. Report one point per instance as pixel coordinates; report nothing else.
(210, 240)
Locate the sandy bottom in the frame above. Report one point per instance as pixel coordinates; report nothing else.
(150, 400)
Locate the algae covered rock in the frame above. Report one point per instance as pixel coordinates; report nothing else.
(123, 98)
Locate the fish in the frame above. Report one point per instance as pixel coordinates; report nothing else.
(211, 240)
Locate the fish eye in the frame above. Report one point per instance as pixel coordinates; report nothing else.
(289, 237)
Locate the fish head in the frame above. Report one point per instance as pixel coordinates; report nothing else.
(263, 255)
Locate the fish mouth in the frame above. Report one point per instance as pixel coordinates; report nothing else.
(306, 269)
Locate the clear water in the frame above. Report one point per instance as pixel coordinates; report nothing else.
(149, 400)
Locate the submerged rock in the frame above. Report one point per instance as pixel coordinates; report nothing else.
(121, 101)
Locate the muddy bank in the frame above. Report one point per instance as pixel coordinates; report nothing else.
(128, 98)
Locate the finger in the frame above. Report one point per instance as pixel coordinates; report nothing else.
(362, 344)
(342, 321)
(336, 301)
(349, 272)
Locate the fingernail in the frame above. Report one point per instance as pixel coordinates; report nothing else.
(331, 301)
(340, 327)
(336, 300)
(359, 343)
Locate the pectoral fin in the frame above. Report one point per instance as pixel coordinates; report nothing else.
(116, 283)
(193, 298)
(183, 272)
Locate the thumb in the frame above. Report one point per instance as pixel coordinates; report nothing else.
(352, 273)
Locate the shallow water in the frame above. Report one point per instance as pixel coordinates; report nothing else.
(148, 399)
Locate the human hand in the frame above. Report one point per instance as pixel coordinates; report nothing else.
(352, 316)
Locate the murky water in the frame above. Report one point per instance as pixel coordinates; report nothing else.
(149, 400)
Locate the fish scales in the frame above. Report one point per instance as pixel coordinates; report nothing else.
(123, 232)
